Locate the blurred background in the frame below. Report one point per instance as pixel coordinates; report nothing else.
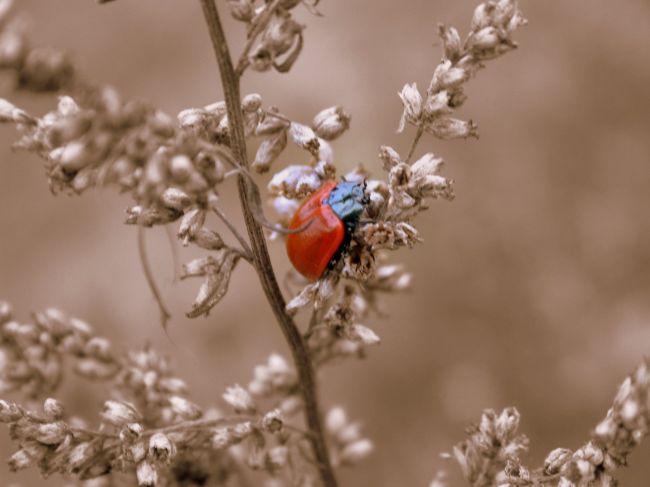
(531, 288)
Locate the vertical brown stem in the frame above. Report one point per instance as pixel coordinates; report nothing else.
(261, 259)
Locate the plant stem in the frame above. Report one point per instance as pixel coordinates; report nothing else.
(261, 259)
(414, 144)
(165, 315)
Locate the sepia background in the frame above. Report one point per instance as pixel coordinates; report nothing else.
(531, 288)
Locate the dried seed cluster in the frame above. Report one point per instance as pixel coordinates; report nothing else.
(150, 433)
(491, 454)
(32, 354)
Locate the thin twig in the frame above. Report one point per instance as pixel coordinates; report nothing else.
(299, 351)
(247, 253)
(174, 250)
(165, 315)
(257, 29)
(414, 144)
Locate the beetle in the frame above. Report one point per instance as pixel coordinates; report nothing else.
(328, 218)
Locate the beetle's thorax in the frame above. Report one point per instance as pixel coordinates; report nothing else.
(347, 199)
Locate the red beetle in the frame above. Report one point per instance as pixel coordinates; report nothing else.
(329, 216)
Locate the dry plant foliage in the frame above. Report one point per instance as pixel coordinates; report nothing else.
(149, 432)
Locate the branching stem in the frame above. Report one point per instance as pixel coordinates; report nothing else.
(262, 261)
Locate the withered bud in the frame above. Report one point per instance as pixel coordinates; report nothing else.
(452, 128)
(331, 123)
(447, 77)
(191, 223)
(294, 182)
(272, 421)
(45, 69)
(146, 474)
(389, 157)
(304, 137)
(99, 348)
(269, 150)
(412, 101)
(51, 433)
(240, 399)
(91, 368)
(19, 461)
(5, 312)
(53, 409)
(175, 199)
(181, 167)
(362, 334)
(161, 449)
(451, 41)
(241, 10)
(185, 408)
(119, 413)
(80, 454)
(251, 103)
(76, 155)
(270, 125)
(208, 239)
(356, 451)
(10, 411)
(277, 456)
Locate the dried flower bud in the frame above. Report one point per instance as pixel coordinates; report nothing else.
(270, 124)
(81, 454)
(184, 408)
(119, 413)
(336, 420)
(356, 451)
(53, 409)
(269, 150)
(19, 461)
(99, 348)
(452, 128)
(451, 41)
(222, 438)
(240, 399)
(278, 456)
(389, 157)
(251, 103)
(215, 285)
(161, 449)
(331, 123)
(9, 113)
(191, 223)
(241, 10)
(447, 77)
(10, 411)
(208, 239)
(242, 430)
(412, 101)
(362, 334)
(272, 421)
(51, 433)
(5, 312)
(294, 182)
(94, 369)
(304, 137)
(146, 474)
(175, 199)
(45, 69)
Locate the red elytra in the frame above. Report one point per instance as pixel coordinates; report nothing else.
(312, 249)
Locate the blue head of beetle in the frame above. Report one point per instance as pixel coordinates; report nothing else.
(348, 199)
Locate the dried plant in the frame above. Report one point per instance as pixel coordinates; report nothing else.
(149, 432)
